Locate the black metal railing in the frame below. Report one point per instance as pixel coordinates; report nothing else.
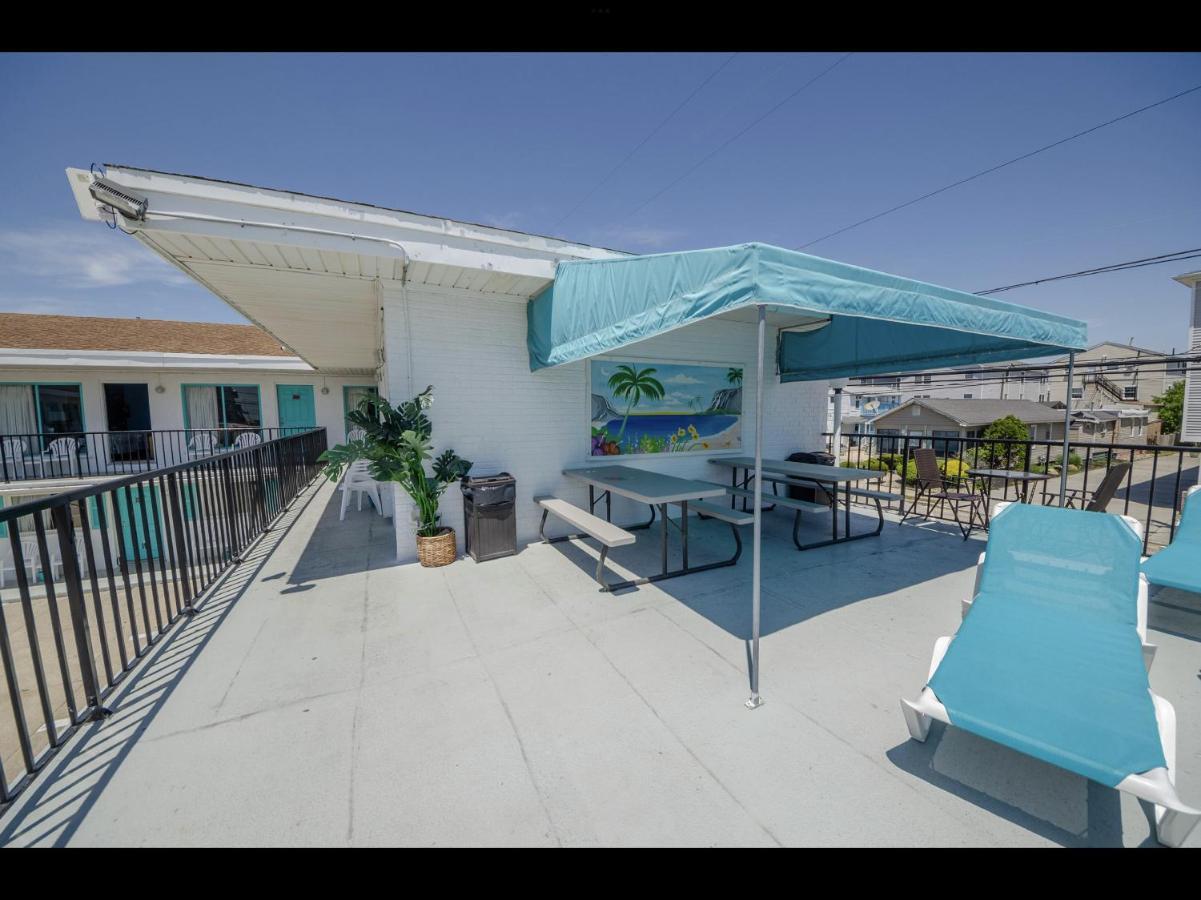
(1151, 492)
(87, 454)
(91, 578)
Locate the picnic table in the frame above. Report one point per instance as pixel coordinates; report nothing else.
(657, 491)
(829, 478)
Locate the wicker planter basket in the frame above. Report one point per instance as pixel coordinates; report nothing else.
(438, 550)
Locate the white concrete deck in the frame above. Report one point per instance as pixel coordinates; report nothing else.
(326, 696)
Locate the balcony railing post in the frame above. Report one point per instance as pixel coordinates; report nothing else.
(180, 543)
(61, 516)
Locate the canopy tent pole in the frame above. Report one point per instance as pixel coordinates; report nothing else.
(755, 700)
(1067, 431)
(836, 437)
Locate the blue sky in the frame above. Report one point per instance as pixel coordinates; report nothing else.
(519, 140)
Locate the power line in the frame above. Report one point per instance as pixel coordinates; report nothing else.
(1178, 256)
(736, 136)
(999, 166)
(700, 87)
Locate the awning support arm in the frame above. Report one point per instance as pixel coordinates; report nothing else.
(755, 700)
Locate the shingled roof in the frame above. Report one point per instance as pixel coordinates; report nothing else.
(27, 331)
(971, 413)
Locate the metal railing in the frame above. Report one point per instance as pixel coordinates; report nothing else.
(1151, 492)
(87, 454)
(134, 555)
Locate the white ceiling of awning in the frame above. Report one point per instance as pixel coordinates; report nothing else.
(307, 269)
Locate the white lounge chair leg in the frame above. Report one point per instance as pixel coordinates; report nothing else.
(919, 714)
(918, 722)
(345, 502)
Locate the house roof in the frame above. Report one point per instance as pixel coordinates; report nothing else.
(28, 331)
(972, 413)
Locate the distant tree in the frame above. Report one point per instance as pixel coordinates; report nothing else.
(1170, 405)
(734, 376)
(1008, 428)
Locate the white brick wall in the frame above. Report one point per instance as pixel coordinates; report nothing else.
(492, 410)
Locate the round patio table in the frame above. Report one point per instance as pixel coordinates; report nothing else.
(1019, 476)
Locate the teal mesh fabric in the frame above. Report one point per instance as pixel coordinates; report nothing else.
(1048, 660)
(1179, 564)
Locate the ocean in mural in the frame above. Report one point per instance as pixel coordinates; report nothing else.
(644, 406)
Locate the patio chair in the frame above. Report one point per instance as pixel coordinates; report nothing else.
(932, 485)
(1178, 565)
(247, 439)
(358, 480)
(202, 443)
(1049, 661)
(1097, 500)
(64, 448)
(355, 434)
(16, 455)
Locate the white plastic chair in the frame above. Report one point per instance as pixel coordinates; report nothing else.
(64, 448)
(202, 443)
(16, 454)
(355, 434)
(358, 480)
(33, 559)
(248, 439)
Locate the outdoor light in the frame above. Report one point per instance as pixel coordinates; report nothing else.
(128, 204)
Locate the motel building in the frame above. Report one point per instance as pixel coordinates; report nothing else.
(85, 400)
(369, 296)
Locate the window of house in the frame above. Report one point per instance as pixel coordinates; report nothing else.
(942, 443)
(1077, 393)
(41, 409)
(1130, 392)
(226, 409)
(967, 396)
(921, 379)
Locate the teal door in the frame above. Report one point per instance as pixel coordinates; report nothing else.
(136, 541)
(296, 409)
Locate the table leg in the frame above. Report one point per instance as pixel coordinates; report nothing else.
(846, 502)
(684, 530)
(663, 548)
(608, 506)
(833, 511)
(733, 484)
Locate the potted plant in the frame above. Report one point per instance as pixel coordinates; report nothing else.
(396, 445)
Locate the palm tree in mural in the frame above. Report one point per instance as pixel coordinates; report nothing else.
(734, 376)
(633, 384)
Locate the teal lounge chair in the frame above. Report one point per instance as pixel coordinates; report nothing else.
(1049, 659)
(1178, 565)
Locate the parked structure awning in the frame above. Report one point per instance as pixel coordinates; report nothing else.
(848, 320)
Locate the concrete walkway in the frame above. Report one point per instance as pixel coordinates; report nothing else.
(327, 696)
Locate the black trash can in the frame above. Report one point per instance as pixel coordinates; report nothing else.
(812, 493)
(489, 516)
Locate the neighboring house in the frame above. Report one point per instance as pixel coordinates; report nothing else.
(1110, 386)
(876, 395)
(1120, 425)
(411, 300)
(1190, 429)
(939, 418)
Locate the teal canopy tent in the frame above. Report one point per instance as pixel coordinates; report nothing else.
(834, 321)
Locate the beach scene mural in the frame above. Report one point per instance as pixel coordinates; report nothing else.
(643, 406)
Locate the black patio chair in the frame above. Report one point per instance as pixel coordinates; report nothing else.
(939, 491)
(1097, 500)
